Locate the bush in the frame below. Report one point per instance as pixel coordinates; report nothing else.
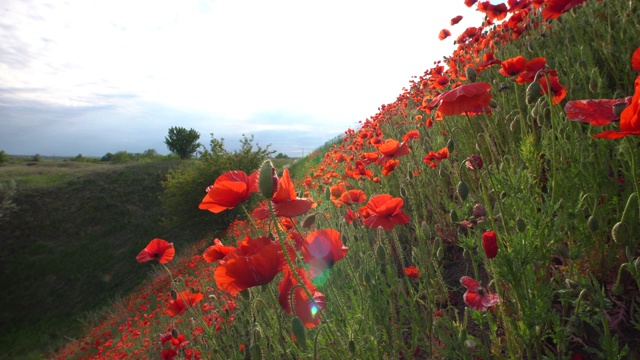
(185, 188)
(3, 157)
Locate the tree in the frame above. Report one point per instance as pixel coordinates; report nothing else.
(182, 142)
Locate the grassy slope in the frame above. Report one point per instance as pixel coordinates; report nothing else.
(555, 274)
(71, 245)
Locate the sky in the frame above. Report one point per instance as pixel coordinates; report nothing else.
(95, 76)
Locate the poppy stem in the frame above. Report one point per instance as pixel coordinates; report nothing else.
(289, 262)
(255, 227)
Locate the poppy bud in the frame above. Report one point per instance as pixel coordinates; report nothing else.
(533, 92)
(503, 87)
(620, 233)
(593, 223)
(520, 225)
(327, 193)
(463, 190)
(298, 331)
(344, 239)
(268, 179)
(594, 80)
(256, 351)
(174, 294)
(352, 346)
(514, 125)
(471, 345)
(308, 221)
(453, 215)
(493, 104)
(451, 145)
(381, 254)
(474, 162)
(426, 230)
(490, 244)
(617, 289)
(471, 73)
(479, 210)
(174, 333)
(619, 107)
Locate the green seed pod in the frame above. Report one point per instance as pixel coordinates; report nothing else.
(533, 92)
(344, 239)
(493, 104)
(593, 223)
(453, 215)
(268, 180)
(327, 193)
(298, 330)
(451, 145)
(520, 225)
(463, 190)
(620, 233)
(471, 73)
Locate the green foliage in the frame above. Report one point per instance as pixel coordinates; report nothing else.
(182, 142)
(281, 156)
(185, 187)
(36, 158)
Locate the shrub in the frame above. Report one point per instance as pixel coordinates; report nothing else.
(185, 187)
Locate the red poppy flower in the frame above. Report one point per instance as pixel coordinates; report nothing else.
(635, 60)
(531, 69)
(456, 20)
(595, 112)
(354, 196)
(392, 149)
(385, 211)
(183, 301)
(629, 119)
(468, 98)
(229, 190)
(490, 244)
(157, 249)
(433, 159)
(513, 66)
(412, 272)
(470, 3)
(557, 91)
(555, 8)
(389, 166)
(444, 33)
(493, 12)
(285, 201)
(488, 60)
(308, 310)
(476, 296)
(217, 251)
(322, 249)
(412, 134)
(255, 262)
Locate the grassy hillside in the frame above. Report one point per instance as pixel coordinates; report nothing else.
(475, 217)
(70, 246)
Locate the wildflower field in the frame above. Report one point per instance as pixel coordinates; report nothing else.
(491, 211)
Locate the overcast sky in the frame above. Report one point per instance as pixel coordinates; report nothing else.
(91, 77)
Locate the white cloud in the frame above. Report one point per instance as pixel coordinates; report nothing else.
(331, 62)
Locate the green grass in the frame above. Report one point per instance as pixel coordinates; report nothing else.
(71, 245)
